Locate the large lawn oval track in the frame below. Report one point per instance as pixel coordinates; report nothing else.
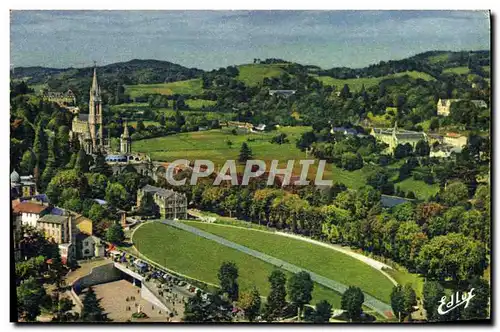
(200, 258)
(323, 261)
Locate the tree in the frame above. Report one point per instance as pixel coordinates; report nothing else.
(92, 310)
(31, 297)
(478, 308)
(194, 310)
(276, 300)
(101, 166)
(398, 302)
(140, 126)
(351, 161)
(148, 207)
(116, 195)
(323, 312)
(422, 148)
(410, 300)
(28, 162)
(454, 193)
(453, 255)
(62, 312)
(115, 234)
(214, 309)
(345, 92)
(40, 146)
(250, 302)
(352, 302)
(82, 163)
(245, 153)
(432, 294)
(228, 275)
(51, 164)
(299, 288)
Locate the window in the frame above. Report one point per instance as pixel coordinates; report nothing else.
(86, 252)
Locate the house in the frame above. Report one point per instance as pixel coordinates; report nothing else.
(455, 140)
(394, 137)
(284, 93)
(444, 151)
(66, 251)
(57, 228)
(345, 131)
(82, 224)
(29, 213)
(260, 127)
(22, 186)
(88, 246)
(171, 204)
(444, 105)
(435, 138)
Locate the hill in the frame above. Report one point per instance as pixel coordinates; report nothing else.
(432, 63)
(131, 72)
(253, 74)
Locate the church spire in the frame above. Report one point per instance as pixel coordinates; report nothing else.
(125, 129)
(94, 87)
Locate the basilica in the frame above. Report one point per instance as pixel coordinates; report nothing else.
(89, 128)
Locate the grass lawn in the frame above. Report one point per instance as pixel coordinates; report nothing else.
(439, 58)
(146, 123)
(212, 145)
(253, 74)
(197, 104)
(457, 70)
(201, 258)
(191, 87)
(421, 189)
(324, 261)
(403, 278)
(355, 84)
(194, 104)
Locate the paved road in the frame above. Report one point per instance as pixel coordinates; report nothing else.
(371, 302)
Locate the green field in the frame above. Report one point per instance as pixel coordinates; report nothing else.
(194, 104)
(457, 70)
(324, 261)
(253, 74)
(421, 189)
(355, 84)
(438, 58)
(212, 145)
(191, 87)
(201, 258)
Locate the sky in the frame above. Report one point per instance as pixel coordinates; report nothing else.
(213, 39)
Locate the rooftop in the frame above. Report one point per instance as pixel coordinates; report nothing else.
(29, 207)
(159, 191)
(53, 219)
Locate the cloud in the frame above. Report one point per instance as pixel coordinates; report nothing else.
(211, 39)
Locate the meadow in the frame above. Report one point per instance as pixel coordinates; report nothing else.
(355, 84)
(191, 87)
(213, 145)
(200, 258)
(253, 74)
(323, 261)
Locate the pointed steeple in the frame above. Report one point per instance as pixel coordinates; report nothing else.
(125, 130)
(94, 87)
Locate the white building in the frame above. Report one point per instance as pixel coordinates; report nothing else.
(29, 213)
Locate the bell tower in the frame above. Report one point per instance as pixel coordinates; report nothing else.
(95, 113)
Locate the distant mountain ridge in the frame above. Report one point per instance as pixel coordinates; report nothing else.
(150, 71)
(135, 71)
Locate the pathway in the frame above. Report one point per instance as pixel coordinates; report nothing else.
(371, 302)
